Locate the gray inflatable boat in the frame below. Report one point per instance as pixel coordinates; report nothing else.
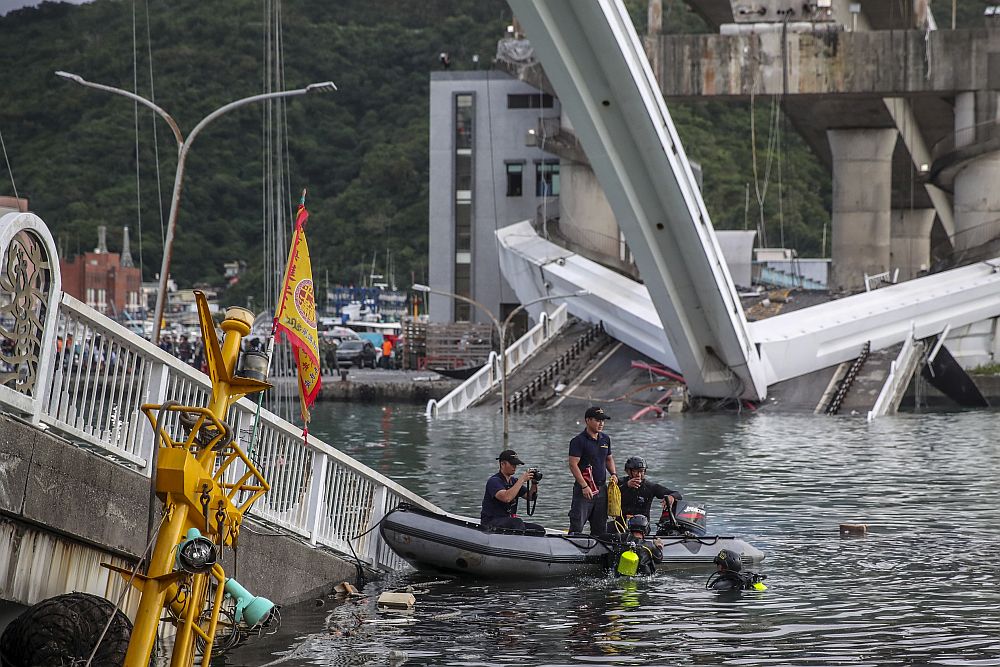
(436, 542)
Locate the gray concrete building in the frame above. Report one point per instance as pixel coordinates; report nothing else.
(488, 169)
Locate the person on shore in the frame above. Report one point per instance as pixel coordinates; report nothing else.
(331, 357)
(590, 462)
(184, 350)
(502, 492)
(386, 354)
(638, 492)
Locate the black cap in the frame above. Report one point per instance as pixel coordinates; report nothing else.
(596, 413)
(511, 456)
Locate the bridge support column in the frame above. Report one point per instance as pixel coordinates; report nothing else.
(977, 197)
(862, 186)
(911, 241)
(977, 202)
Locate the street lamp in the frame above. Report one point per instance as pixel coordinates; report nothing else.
(502, 331)
(183, 146)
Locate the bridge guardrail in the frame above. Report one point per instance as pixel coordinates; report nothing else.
(490, 375)
(900, 372)
(78, 373)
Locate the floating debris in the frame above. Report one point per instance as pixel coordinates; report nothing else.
(853, 529)
(396, 600)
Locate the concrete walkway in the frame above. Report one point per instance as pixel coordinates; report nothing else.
(374, 385)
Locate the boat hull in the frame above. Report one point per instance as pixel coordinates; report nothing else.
(438, 543)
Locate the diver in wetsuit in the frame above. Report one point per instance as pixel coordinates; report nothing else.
(649, 552)
(730, 577)
(638, 492)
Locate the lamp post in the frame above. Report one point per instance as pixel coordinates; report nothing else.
(501, 328)
(183, 146)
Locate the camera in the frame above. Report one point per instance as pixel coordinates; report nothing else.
(536, 474)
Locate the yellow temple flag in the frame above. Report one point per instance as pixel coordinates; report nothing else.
(296, 315)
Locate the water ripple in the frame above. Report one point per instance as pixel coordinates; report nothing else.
(921, 588)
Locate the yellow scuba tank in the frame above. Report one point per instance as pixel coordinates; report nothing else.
(628, 563)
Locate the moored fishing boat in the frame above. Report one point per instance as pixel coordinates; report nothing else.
(437, 542)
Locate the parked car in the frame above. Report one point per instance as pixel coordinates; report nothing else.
(357, 353)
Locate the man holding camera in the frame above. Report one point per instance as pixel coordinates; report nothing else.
(503, 490)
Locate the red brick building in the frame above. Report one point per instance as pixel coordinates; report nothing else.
(105, 280)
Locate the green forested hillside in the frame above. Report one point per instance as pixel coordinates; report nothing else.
(362, 151)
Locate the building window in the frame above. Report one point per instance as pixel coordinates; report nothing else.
(530, 101)
(464, 111)
(463, 287)
(546, 179)
(464, 116)
(463, 170)
(91, 297)
(463, 227)
(515, 171)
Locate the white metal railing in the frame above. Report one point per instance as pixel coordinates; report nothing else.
(487, 378)
(900, 372)
(881, 279)
(102, 373)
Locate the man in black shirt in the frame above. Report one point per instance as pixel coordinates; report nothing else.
(590, 463)
(502, 491)
(638, 492)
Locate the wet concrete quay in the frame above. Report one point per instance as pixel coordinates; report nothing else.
(377, 385)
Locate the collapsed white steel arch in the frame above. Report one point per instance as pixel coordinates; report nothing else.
(596, 64)
(594, 60)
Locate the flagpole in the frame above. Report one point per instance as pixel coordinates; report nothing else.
(281, 303)
(270, 344)
(298, 320)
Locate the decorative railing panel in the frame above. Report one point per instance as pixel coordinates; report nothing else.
(29, 277)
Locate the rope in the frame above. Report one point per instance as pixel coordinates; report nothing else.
(9, 170)
(156, 142)
(761, 192)
(614, 501)
(128, 587)
(276, 175)
(493, 183)
(247, 528)
(135, 117)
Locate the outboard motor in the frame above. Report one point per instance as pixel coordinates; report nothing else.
(686, 517)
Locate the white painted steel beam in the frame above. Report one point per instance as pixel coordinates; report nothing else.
(535, 268)
(792, 344)
(806, 340)
(597, 66)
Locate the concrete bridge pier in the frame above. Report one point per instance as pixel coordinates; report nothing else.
(910, 246)
(977, 197)
(977, 202)
(862, 189)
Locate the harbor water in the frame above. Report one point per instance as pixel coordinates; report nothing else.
(922, 588)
